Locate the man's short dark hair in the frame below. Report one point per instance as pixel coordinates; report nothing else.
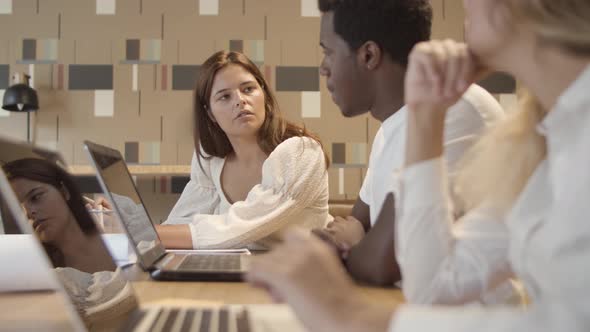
(395, 25)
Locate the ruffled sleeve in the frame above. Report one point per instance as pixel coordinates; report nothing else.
(198, 197)
(294, 178)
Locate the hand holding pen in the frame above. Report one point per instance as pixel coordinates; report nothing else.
(98, 207)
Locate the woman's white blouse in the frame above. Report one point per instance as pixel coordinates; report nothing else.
(544, 240)
(293, 191)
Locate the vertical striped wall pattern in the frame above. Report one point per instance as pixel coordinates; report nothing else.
(122, 73)
(39, 51)
(142, 51)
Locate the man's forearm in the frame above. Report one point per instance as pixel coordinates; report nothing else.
(373, 259)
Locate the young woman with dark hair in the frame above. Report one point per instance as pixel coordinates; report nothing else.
(253, 172)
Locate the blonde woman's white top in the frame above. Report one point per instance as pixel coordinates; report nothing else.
(544, 240)
(293, 191)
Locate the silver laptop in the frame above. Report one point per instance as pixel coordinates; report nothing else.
(116, 308)
(118, 186)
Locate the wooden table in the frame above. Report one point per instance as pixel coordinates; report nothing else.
(44, 311)
(148, 290)
(33, 311)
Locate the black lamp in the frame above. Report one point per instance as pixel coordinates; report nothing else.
(20, 97)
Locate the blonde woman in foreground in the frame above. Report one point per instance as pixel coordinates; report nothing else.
(528, 180)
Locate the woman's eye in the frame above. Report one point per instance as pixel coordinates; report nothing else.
(249, 89)
(36, 197)
(224, 97)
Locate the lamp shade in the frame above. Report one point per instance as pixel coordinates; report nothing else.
(20, 98)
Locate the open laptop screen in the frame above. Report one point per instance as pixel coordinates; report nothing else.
(119, 186)
(40, 201)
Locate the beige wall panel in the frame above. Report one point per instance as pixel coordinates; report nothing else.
(128, 7)
(300, 52)
(186, 149)
(14, 126)
(437, 8)
(178, 127)
(146, 77)
(281, 8)
(14, 27)
(6, 53)
(273, 54)
(94, 51)
(77, 109)
(352, 182)
(119, 50)
(167, 103)
(66, 149)
(290, 104)
(192, 52)
(113, 27)
(176, 107)
(373, 125)
(448, 20)
(24, 7)
(76, 7)
(66, 51)
(58, 102)
(168, 152)
(176, 7)
(122, 78)
(454, 19)
(293, 28)
(43, 77)
(195, 27)
(337, 128)
(145, 26)
(169, 53)
(45, 127)
(220, 45)
(231, 7)
(75, 123)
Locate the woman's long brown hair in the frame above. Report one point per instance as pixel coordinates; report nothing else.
(211, 138)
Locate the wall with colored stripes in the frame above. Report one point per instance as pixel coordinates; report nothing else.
(120, 72)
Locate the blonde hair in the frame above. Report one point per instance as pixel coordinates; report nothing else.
(498, 167)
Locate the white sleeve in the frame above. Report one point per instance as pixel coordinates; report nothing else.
(365, 192)
(440, 262)
(198, 197)
(548, 316)
(466, 121)
(294, 177)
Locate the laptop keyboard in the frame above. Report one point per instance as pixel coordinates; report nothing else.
(211, 263)
(181, 320)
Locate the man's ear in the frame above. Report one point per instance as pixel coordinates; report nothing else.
(65, 192)
(369, 55)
